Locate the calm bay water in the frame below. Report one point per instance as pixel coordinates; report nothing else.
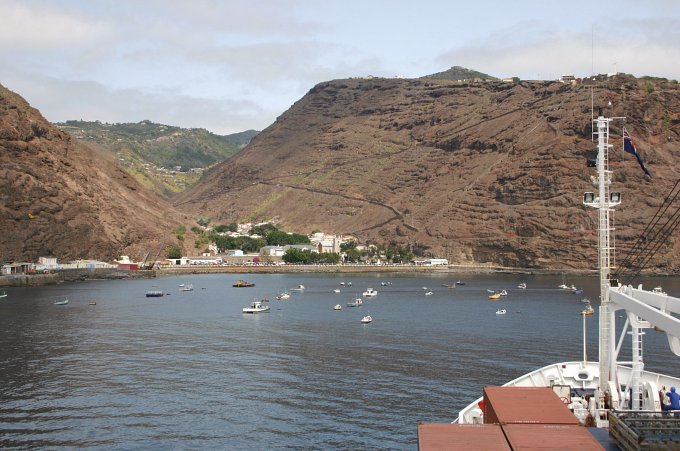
(190, 371)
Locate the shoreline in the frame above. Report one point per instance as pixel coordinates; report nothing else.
(78, 275)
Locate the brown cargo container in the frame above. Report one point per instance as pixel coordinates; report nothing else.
(550, 437)
(469, 437)
(518, 405)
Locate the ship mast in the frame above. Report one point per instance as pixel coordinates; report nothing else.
(604, 201)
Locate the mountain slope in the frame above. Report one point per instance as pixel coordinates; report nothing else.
(477, 173)
(63, 199)
(150, 152)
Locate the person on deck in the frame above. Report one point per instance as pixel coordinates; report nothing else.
(675, 400)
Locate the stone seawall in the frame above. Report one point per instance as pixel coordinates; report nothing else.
(72, 275)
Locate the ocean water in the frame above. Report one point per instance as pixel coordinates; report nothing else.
(190, 371)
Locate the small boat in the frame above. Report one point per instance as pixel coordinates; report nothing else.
(588, 310)
(501, 312)
(63, 300)
(283, 296)
(490, 291)
(93, 303)
(495, 296)
(577, 291)
(429, 293)
(298, 288)
(256, 307)
(337, 307)
(585, 300)
(336, 291)
(458, 282)
(3, 294)
(349, 284)
(424, 288)
(356, 303)
(503, 293)
(242, 284)
(366, 319)
(154, 294)
(449, 285)
(188, 287)
(342, 283)
(522, 286)
(658, 290)
(370, 292)
(180, 285)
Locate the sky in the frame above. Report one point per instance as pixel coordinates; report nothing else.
(236, 65)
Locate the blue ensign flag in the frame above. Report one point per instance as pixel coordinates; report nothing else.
(629, 146)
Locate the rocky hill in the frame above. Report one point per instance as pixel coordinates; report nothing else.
(63, 199)
(164, 158)
(478, 173)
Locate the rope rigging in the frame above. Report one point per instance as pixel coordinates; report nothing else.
(655, 235)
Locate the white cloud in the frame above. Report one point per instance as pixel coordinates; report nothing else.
(41, 27)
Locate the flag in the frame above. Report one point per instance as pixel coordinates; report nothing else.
(629, 146)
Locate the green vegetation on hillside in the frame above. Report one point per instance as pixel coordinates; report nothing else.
(164, 158)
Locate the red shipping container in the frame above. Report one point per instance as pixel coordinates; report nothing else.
(539, 405)
(544, 437)
(469, 437)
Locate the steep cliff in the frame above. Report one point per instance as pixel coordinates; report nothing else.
(478, 173)
(61, 198)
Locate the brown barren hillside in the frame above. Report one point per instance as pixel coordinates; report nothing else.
(62, 199)
(477, 173)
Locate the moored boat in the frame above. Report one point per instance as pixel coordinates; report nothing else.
(370, 292)
(298, 288)
(501, 311)
(61, 300)
(367, 319)
(242, 284)
(337, 307)
(522, 286)
(154, 294)
(256, 307)
(495, 296)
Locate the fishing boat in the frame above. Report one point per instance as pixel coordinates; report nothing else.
(256, 307)
(596, 390)
(242, 284)
(588, 310)
(370, 292)
(366, 319)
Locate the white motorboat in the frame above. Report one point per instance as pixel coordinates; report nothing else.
(61, 300)
(256, 307)
(283, 296)
(503, 293)
(336, 291)
(337, 307)
(594, 389)
(188, 287)
(370, 292)
(501, 311)
(3, 294)
(429, 293)
(366, 319)
(298, 288)
(522, 286)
